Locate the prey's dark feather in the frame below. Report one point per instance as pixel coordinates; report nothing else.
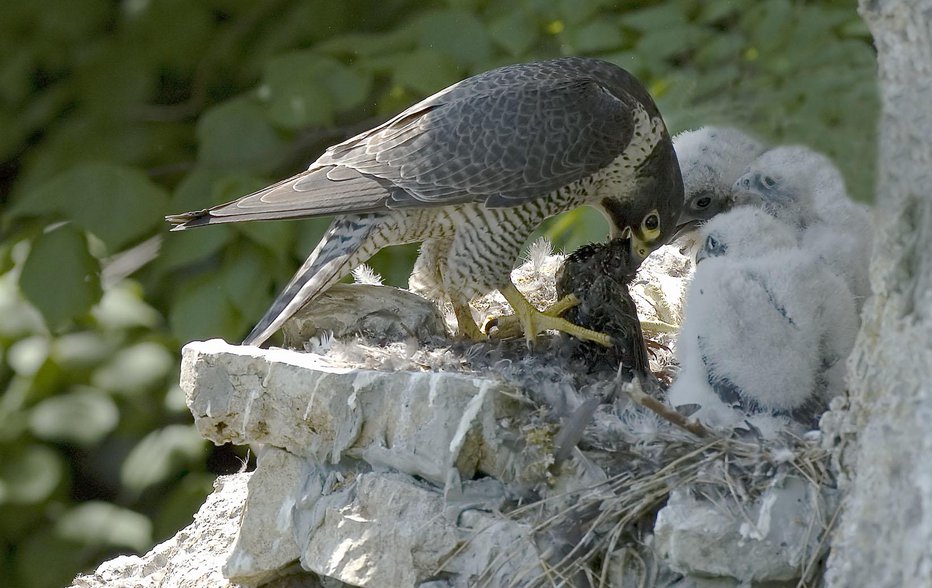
(599, 274)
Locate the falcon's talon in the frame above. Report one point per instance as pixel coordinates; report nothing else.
(658, 327)
(508, 326)
(466, 327)
(562, 305)
(502, 327)
(531, 321)
(651, 344)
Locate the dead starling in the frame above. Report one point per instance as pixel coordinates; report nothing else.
(598, 275)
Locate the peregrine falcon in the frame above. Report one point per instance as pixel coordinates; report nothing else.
(470, 172)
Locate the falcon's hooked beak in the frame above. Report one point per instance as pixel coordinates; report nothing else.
(636, 247)
(644, 236)
(639, 248)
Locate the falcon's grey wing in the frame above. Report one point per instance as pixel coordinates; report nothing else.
(503, 137)
(520, 142)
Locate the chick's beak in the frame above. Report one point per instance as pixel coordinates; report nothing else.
(745, 198)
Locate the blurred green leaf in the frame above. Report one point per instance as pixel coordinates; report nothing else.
(28, 474)
(173, 32)
(294, 96)
(576, 12)
(135, 369)
(81, 350)
(123, 307)
(180, 249)
(237, 135)
(516, 32)
(276, 237)
(714, 10)
(47, 560)
(425, 71)
(247, 280)
(83, 416)
(654, 18)
(671, 40)
(598, 35)
(347, 87)
(118, 204)
(110, 80)
(27, 355)
(770, 23)
(370, 45)
(60, 278)
(160, 455)
(96, 523)
(201, 311)
(456, 34)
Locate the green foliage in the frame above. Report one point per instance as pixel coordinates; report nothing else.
(171, 105)
(92, 195)
(73, 287)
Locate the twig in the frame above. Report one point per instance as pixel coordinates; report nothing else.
(638, 395)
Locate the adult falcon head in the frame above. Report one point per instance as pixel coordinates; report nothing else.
(470, 172)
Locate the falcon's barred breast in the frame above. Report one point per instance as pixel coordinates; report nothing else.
(470, 172)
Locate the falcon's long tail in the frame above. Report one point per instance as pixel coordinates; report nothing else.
(346, 244)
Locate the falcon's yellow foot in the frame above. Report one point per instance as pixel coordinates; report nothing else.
(531, 321)
(508, 326)
(657, 327)
(562, 305)
(466, 327)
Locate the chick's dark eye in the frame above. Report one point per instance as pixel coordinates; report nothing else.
(652, 222)
(703, 202)
(769, 182)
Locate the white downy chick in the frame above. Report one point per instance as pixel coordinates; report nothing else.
(804, 188)
(711, 159)
(768, 327)
(743, 233)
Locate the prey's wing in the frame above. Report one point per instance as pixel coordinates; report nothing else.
(501, 142)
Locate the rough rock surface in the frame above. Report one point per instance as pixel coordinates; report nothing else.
(312, 499)
(193, 558)
(365, 309)
(391, 456)
(771, 538)
(882, 442)
(417, 422)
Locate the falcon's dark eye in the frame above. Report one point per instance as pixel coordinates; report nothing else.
(704, 202)
(769, 182)
(652, 222)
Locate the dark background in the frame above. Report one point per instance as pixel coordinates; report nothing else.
(113, 114)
